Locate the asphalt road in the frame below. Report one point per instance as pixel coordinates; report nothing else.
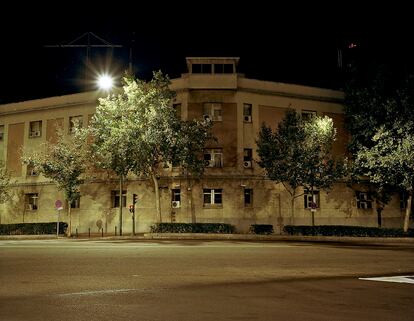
(197, 280)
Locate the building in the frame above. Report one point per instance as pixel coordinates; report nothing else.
(233, 189)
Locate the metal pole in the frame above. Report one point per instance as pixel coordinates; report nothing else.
(57, 225)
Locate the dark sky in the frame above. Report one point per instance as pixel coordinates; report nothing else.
(274, 42)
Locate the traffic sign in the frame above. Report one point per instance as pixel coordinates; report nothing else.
(58, 205)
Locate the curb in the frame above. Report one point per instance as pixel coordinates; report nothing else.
(218, 237)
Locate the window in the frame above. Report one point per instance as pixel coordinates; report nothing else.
(31, 171)
(247, 158)
(201, 68)
(75, 203)
(212, 196)
(364, 200)
(212, 111)
(308, 199)
(247, 113)
(1, 132)
(35, 129)
(115, 198)
(30, 202)
(176, 198)
(248, 197)
(75, 121)
(213, 157)
(223, 68)
(308, 114)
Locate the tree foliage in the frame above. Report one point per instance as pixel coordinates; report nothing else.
(379, 117)
(138, 130)
(298, 153)
(4, 185)
(64, 162)
(390, 161)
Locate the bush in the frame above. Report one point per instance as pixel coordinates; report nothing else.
(32, 228)
(261, 229)
(341, 230)
(192, 228)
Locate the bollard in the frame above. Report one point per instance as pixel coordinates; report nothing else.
(115, 230)
(89, 232)
(76, 232)
(102, 232)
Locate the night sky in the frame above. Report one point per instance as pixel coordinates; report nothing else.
(276, 43)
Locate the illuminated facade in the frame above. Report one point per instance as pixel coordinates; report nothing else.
(233, 189)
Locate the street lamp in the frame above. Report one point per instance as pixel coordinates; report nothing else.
(105, 82)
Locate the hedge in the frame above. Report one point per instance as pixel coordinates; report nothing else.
(32, 228)
(341, 230)
(192, 228)
(261, 229)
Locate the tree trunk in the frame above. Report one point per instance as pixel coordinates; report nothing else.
(69, 232)
(121, 187)
(408, 211)
(157, 197)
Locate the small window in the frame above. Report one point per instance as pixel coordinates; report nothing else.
(308, 114)
(309, 200)
(227, 69)
(213, 111)
(1, 132)
(176, 194)
(75, 203)
(31, 201)
(35, 129)
(212, 196)
(248, 197)
(201, 68)
(247, 158)
(213, 157)
(115, 198)
(75, 122)
(364, 200)
(247, 113)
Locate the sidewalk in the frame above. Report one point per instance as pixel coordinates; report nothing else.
(221, 237)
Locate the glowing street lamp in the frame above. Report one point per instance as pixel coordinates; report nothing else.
(105, 82)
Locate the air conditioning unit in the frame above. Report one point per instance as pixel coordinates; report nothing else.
(175, 204)
(247, 118)
(247, 164)
(208, 163)
(29, 207)
(207, 117)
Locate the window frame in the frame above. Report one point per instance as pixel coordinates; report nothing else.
(35, 129)
(215, 156)
(213, 192)
(248, 192)
(367, 199)
(308, 199)
(213, 110)
(31, 201)
(115, 198)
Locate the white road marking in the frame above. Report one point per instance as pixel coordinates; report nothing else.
(97, 292)
(397, 279)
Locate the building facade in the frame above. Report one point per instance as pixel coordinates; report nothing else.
(233, 189)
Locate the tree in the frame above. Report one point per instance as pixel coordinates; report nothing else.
(64, 162)
(390, 162)
(378, 102)
(298, 154)
(4, 185)
(139, 131)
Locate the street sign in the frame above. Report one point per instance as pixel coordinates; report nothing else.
(58, 205)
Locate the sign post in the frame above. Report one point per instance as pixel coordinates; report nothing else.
(59, 207)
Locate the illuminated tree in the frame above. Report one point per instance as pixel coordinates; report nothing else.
(64, 162)
(298, 154)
